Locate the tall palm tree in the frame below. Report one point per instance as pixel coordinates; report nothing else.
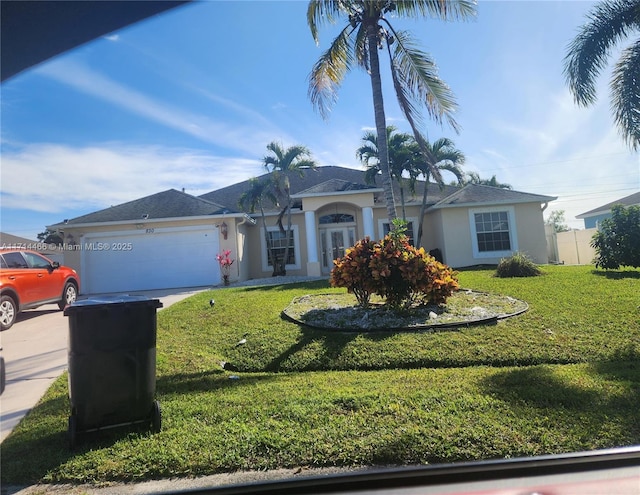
(281, 163)
(442, 156)
(402, 154)
(609, 22)
(414, 73)
(259, 191)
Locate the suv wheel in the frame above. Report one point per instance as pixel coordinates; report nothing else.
(8, 312)
(69, 295)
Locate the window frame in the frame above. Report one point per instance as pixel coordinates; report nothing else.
(513, 235)
(385, 221)
(266, 266)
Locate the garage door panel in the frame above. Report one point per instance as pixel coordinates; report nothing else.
(165, 259)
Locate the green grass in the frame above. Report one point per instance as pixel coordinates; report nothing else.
(564, 376)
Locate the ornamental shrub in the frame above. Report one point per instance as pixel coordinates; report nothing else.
(517, 265)
(352, 271)
(617, 241)
(394, 270)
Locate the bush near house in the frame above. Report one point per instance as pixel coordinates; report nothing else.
(394, 270)
(617, 242)
(517, 265)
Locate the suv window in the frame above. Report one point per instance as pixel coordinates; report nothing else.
(36, 261)
(3, 263)
(15, 260)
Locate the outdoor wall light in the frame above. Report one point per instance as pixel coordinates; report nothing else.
(224, 230)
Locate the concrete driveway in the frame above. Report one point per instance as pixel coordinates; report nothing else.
(35, 352)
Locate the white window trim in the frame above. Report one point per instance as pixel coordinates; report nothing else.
(513, 234)
(263, 249)
(382, 221)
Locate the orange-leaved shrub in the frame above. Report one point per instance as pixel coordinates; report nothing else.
(394, 270)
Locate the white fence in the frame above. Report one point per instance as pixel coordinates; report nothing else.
(570, 248)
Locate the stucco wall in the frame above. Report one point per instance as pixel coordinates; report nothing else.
(531, 236)
(454, 224)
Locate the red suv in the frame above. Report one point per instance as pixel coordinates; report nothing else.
(29, 280)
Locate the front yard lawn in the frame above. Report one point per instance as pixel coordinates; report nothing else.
(564, 376)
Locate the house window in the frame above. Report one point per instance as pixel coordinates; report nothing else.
(278, 241)
(493, 232)
(279, 246)
(386, 228)
(336, 218)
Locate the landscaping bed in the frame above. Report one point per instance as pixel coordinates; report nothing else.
(340, 312)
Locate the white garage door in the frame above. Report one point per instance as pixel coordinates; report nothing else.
(150, 259)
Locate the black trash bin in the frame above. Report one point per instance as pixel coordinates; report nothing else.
(112, 363)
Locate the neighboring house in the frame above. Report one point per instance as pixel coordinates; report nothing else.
(51, 251)
(170, 239)
(592, 218)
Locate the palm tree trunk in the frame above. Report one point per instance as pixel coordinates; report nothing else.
(423, 208)
(267, 240)
(283, 271)
(380, 119)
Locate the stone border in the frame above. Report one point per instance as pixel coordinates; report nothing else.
(489, 320)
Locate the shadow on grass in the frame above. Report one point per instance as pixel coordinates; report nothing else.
(206, 381)
(617, 274)
(333, 345)
(49, 439)
(604, 410)
(19, 464)
(314, 284)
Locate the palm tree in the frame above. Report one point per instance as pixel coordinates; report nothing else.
(474, 178)
(282, 163)
(402, 153)
(608, 23)
(414, 73)
(442, 156)
(258, 192)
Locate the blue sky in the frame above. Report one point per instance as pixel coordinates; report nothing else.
(190, 99)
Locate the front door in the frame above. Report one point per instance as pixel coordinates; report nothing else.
(334, 242)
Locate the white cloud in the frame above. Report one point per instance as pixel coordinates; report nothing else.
(63, 178)
(236, 137)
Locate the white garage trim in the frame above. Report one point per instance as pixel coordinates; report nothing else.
(150, 258)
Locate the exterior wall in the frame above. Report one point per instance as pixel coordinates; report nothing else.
(531, 236)
(592, 222)
(457, 240)
(433, 235)
(360, 200)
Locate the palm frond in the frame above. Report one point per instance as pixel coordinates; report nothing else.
(321, 12)
(419, 76)
(587, 54)
(441, 9)
(625, 95)
(329, 71)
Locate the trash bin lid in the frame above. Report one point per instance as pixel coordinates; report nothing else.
(105, 301)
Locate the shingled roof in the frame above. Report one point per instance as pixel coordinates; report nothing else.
(166, 204)
(486, 195)
(322, 180)
(325, 180)
(632, 199)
